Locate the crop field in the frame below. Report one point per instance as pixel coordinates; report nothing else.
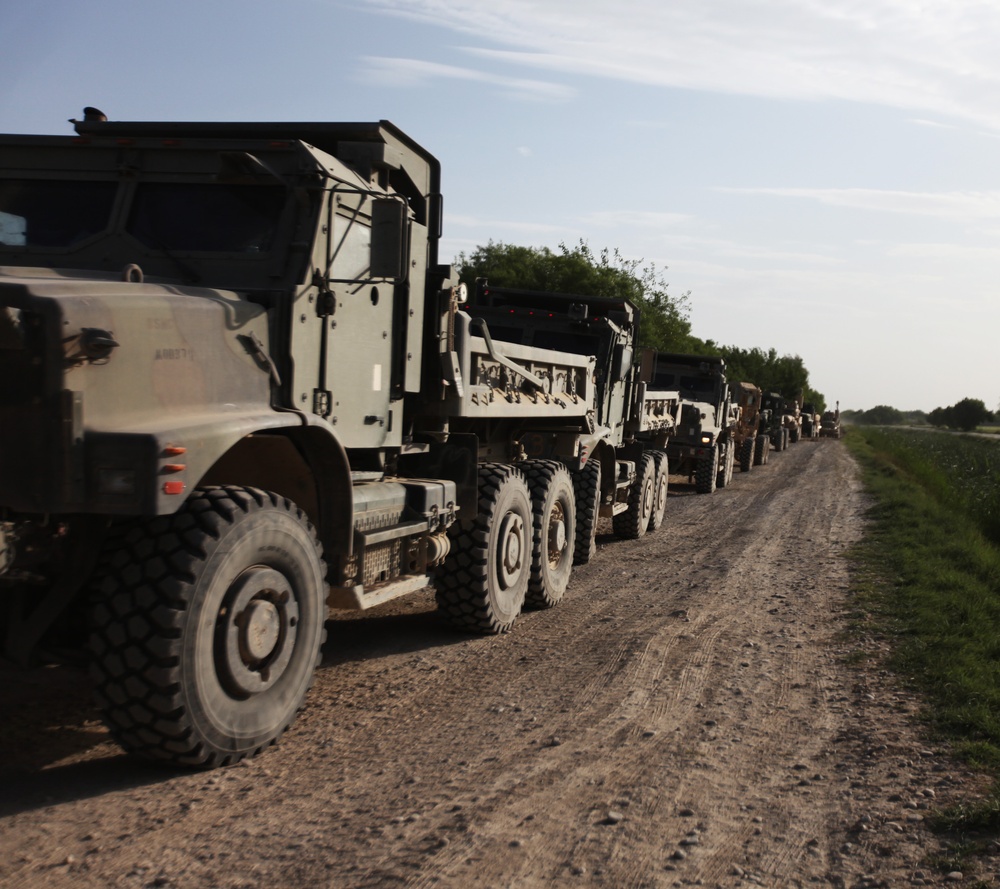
(963, 472)
(928, 580)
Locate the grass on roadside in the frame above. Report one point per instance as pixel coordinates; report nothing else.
(929, 579)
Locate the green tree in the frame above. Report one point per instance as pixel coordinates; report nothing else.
(970, 413)
(785, 374)
(965, 415)
(882, 415)
(664, 323)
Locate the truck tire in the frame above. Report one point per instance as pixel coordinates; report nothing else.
(793, 435)
(661, 489)
(784, 440)
(746, 454)
(587, 490)
(553, 532)
(207, 626)
(726, 470)
(706, 472)
(634, 521)
(762, 450)
(482, 584)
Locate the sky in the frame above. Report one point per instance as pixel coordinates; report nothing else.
(820, 177)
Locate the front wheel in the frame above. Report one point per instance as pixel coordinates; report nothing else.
(207, 627)
(762, 450)
(746, 454)
(726, 470)
(661, 487)
(482, 584)
(706, 472)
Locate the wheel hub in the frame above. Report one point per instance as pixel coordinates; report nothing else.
(511, 549)
(256, 630)
(557, 534)
(259, 630)
(648, 498)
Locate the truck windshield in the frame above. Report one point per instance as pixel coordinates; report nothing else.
(209, 218)
(53, 212)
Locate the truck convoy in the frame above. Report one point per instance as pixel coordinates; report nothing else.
(239, 388)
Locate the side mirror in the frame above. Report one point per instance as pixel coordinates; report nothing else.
(389, 241)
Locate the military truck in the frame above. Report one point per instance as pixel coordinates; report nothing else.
(830, 423)
(703, 447)
(239, 388)
(774, 412)
(792, 418)
(623, 472)
(811, 421)
(752, 444)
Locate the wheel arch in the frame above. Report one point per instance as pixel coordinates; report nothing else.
(306, 464)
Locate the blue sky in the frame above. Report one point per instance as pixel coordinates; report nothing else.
(821, 175)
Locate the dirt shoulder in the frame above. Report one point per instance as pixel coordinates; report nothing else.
(684, 717)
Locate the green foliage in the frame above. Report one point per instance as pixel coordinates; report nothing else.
(966, 415)
(880, 415)
(784, 374)
(929, 575)
(664, 325)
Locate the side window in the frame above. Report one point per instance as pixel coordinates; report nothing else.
(53, 212)
(206, 218)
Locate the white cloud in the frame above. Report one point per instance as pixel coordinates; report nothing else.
(413, 72)
(971, 205)
(934, 56)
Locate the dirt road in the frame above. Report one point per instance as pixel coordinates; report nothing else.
(685, 717)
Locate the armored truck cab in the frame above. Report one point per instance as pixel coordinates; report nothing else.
(238, 389)
(830, 423)
(773, 412)
(752, 444)
(811, 421)
(703, 445)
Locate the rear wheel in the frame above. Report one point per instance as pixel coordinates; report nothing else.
(207, 627)
(661, 487)
(587, 491)
(482, 584)
(634, 521)
(706, 472)
(553, 532)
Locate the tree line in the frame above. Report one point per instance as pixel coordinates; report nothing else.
(964, 416)
(665, 318)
